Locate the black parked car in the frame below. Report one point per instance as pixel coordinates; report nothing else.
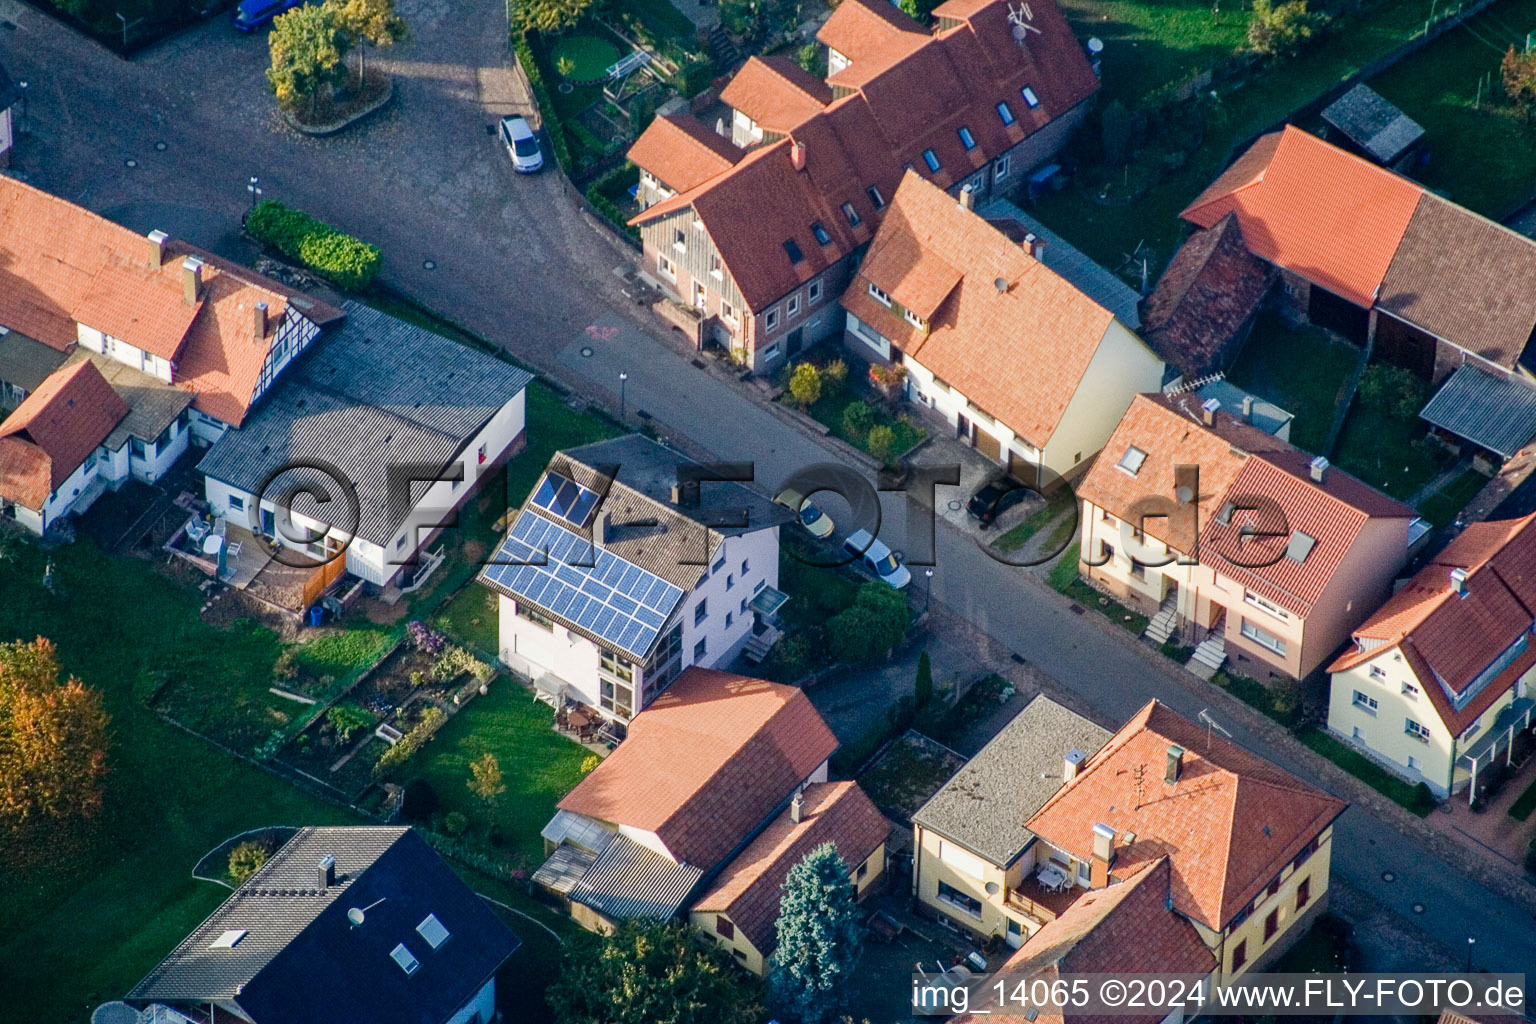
(994, 499)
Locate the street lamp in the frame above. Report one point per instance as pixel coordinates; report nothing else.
(928, 590)
(254, 188)
(1470, 943)
(623, 380)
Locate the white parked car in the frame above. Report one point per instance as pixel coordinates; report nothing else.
(522, 145)
(877, 558)
(812, 518)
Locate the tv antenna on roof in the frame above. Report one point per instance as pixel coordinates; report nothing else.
(1211, 723)
(1020, 17)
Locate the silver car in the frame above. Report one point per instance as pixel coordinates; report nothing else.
(522, 145)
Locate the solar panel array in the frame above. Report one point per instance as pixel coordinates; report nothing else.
(612, 599)
(566, 499)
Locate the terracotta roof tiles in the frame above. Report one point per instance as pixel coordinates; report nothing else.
(54, 430)
(776, 93)
(706, 762)
(1197, 314)
(1227, 826)
(682, 151)
(748, 889)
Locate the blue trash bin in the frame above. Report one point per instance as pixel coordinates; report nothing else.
(316, 613)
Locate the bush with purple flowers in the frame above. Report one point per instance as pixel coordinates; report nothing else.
(424, 638)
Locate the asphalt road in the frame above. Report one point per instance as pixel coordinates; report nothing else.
(169, 140)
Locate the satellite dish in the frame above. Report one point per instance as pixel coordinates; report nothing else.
(115, 1012)
(356, 917)
(1001, 284)
(992, 888)
(1095, 45)
(1184, 493)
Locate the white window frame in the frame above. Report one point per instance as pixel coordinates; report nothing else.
(913, 319)
(728, 313)
(879, 295)
(813, 293)
(1131, 465)
(1003, 167)
(771, 319)
(792, 307)
(1263, 637)
(1249, 597)
(1410, 691)
(1365, 702)
(665, 267)
(679, 240)
(1416, 730)
(716, 268)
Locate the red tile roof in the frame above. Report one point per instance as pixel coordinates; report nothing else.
(866, 137)
(870, 30)
(1228, 825)
(1198, 313)
(60, 263)
(747, 890)
(1310, 207)
(706, 762)
(1123, 929)
(53, 431)
(776, 93)
(1450, 640)
(683, 151)
(1019, 353)
(1237, 461)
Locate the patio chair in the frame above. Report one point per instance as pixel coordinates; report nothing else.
(234, 549)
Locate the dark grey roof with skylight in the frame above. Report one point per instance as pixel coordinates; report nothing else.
(393, 936)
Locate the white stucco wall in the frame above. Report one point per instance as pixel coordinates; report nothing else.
(479, 1009)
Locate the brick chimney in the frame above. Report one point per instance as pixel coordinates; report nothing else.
(797, 808)
(1071, 763)
(156, 251)
(1208, 410)
(191, 280)
(1103, 856)
(967, 198)
(259, 320)
(1318, 468)
(797, 155)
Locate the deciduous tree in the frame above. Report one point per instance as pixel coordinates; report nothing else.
(368, 23)
(1518, 71)
(819, 940)
(549, 16)
(53, 740)
(485, 778)
(306, 46)
(645, 974)
(871, 626)
(805, 385)
(1283, 28)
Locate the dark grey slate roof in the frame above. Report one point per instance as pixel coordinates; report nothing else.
(1372, 123)
(376, 396)
(24, 362)
(1071, 263)
(984, 806)
(629, 880)
(1490, 410)
(152, 404)
(301, 961)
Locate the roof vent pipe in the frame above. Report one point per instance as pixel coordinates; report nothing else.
(326, 872)
(1459, 581)
(1318, 469)
(797, 808)
(1175, 763)
(1208, 410)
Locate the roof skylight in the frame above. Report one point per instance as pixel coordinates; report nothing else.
(402, 956)
(1131, 461)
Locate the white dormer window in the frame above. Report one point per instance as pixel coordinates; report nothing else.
(1030, 97)
(913, 319)
(1131, 461)
(879, 296)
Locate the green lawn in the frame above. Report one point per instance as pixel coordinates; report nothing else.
(829, 412)
(1443, 506)
(1299, 369)
(1108, 235)
(538, 765)
(471, 618)
(1483, 155)
(590, 56)
(1372, 774)
(1149, 44)
(1380, 449)
(815, 594)
(1055, 507)
(1064, 578)
(87, 926)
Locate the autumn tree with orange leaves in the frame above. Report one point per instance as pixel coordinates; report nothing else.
(53, 741)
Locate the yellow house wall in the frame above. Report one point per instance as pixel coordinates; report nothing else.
(1384, 731)
(1121, 368)
(1292, 922)
(930, 871)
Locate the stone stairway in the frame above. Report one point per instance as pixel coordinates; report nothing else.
(1209, 656)
(759, 644)
(722, 50)
(1161, 626)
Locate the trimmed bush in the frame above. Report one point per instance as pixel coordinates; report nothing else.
(246, 859)
(553, 126)
(340, 259)
(455, 823)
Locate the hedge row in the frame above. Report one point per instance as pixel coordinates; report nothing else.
(553, 126)
(341, 259)
(597, 195)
